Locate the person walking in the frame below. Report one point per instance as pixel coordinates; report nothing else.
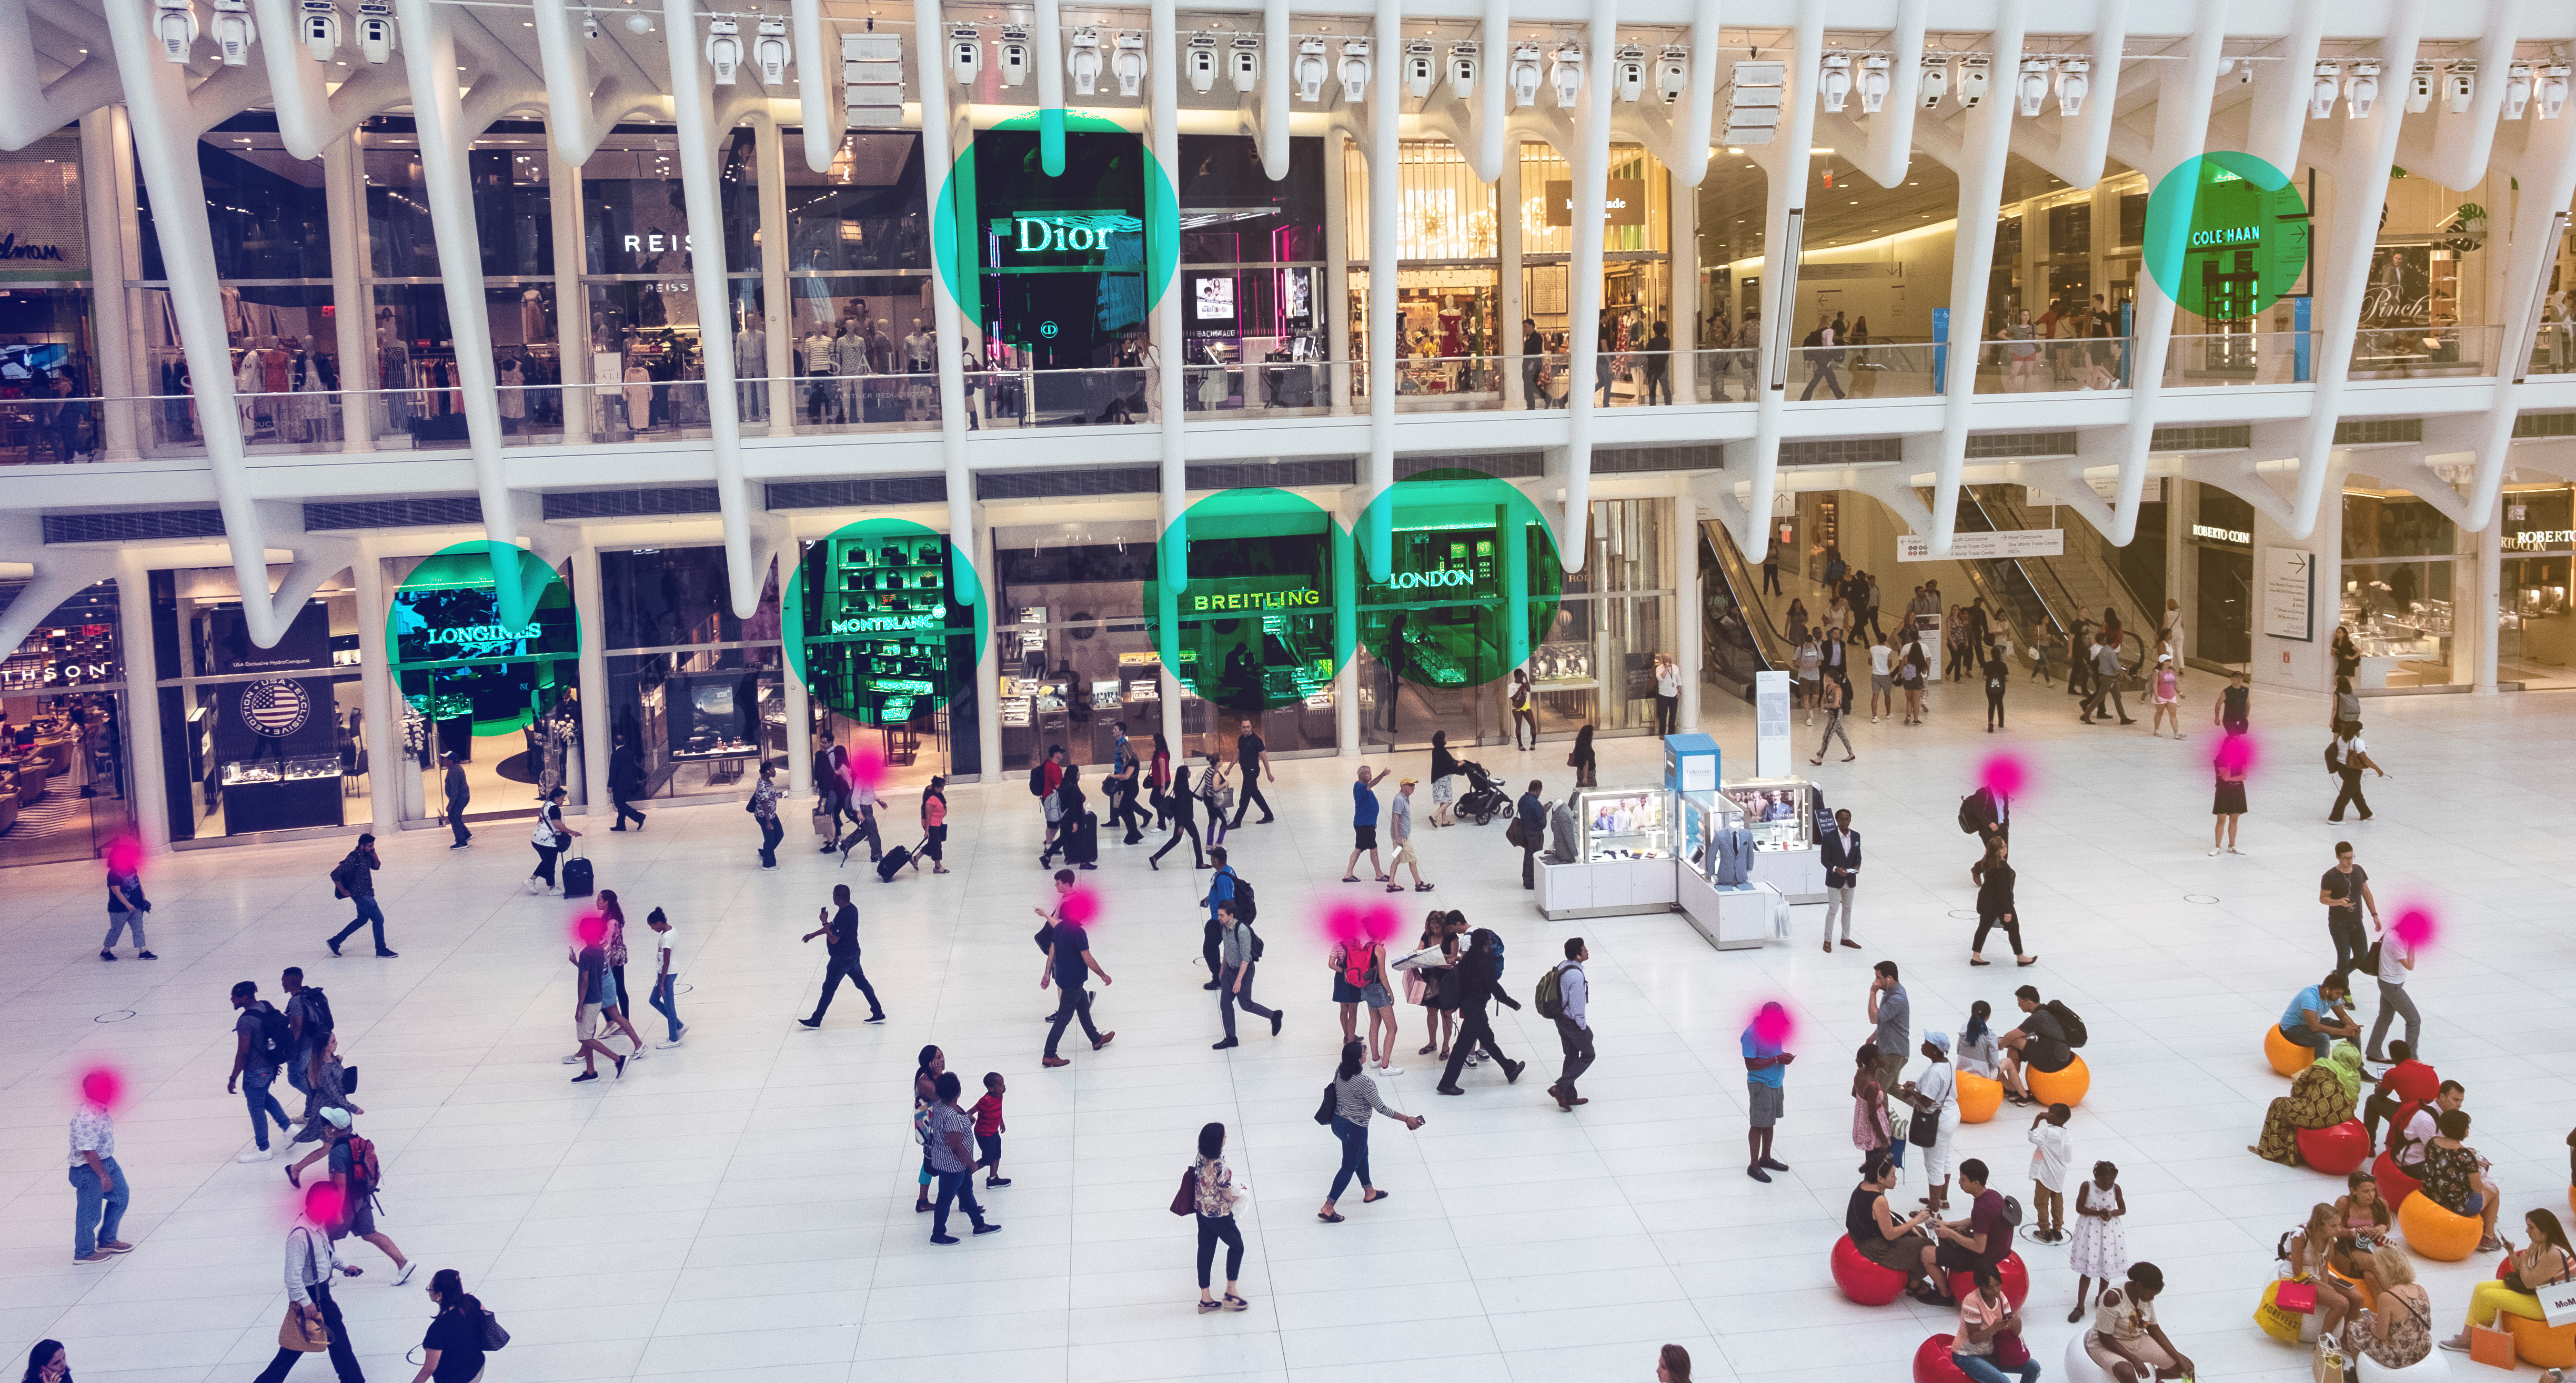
(1524, 708)
(1400, 835)
(594, 992)
(763, 807)
(1993, 875)
(550, 837)
(1998, 678)
(1809, 666)
(452, 1350)
(2396, 958)
(308, 1027)
(1237, 950)
(126, 907)
(625, 781)
(1218, 794)
(1214, 1193)
(1771, 570)
(2347, 760)
(2345, 890)
(1354, 1095)
(354, 1177)
(1821, 358)
(1668, 694)
(1882, 679)
(1444, 781)
(863, 806)
(2227, 803)
(1220, 888)
(666, 974)
(311, 1314)
(831, 774)
(2106, 681)
(1252, 760)
(1069, 963)
(1841, 850)
(458, 793)
(355, 877)
(1573, 1024)
(1915, 668)
(1476, 981)
(261, 1043)
(100, 1191)
(2164, 691)
(934, 823)
(841, 927)
(1834, 698)
(1765, 1065)
(989, 1128)
(326, 1084)
(1182, 804)
(1583, 761)
(953, 1161)
(1532, 820)
(1158, 780)
(1126, 771)
(1364, 812)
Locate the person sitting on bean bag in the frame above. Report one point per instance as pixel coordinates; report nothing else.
(2321, 1096)
(2397, 1332)
(2039, 1043)
(2125, 1340)
(1891, 1243)
(2547, 1260)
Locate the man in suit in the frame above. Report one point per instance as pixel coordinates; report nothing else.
(458, 794)
(832, 789)
(1842, 875)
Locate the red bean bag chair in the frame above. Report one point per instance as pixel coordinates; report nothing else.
(2337, 1150)
(2015, 1274)
(2394, 1185)
(1932, 1362)
(1863, 1282)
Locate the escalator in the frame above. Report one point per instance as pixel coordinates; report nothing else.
(2035, 593)
(1738, 634)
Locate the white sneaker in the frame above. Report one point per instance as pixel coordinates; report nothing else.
(637, 1054)
(2234, 851)
(404, 1275)
(535, 884)
(257, 1155)
(666, 1046)
(1390, 1070)
(573, 1060)
(2213, 854)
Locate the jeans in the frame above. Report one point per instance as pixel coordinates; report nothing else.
(344, 1360)
(666, 1001)
(1076, 1003)
(2350, 944)
(959, 1188)
(770, 834)
(833, 973)
(1531, 397)
(1981, 1369)
(255, 1083)
(456, 823)
(1354, 1157)
(2309, 1038)
(1182, 825)
(1667, 714)
(1227, 1000)
(120, 922)
(1823, 374)
(2351, 793)
(1214, 1229)
(1659, 386)
(368, 912)
(2394, 1000)
(1576, 1039)
(1838, 900)
(96, 1214)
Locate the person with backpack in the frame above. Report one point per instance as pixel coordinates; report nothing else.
(2045, 1042)
(459, 1335)
(357, 1174)
(311, 1263)
(354, 878)
(262, 1042)
(1564, 998)
(1238, 951)
(1223, 888)
(2347, 757)
(1477, 980)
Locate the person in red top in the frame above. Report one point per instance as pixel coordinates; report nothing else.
(2408, 1080)
(988, 1128)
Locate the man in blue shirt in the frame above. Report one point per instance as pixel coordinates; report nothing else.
(2316, 1017)
(1763, 1064)
(1364, 825)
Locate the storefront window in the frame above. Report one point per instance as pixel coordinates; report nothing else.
(886, 644)
(2536, 637)
(1073, 648)
(64, 784)
(46, 345)
(258, 739)
(501, 700)
(695, 691)
(646, 323)
(2223, 536)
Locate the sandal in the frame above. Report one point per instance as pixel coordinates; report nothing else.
(1980, 962)
(1206, 1306)
(1373, 1197)
(1331, 1219)
(1236, 1303)
(2034, 960)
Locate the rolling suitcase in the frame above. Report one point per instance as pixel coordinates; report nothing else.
(577, 881)
(894, 860)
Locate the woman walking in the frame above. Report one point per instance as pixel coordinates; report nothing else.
(763, 807)
(550, 837)
(926, 1071)
(1834, 697)
(1479, 981)
(1354, 1094)
(1994, 877)
(1214, 1193)
(1158, 780)
(934, 823)
(1998, 678)
(2227, 807)
(1582, 760)
(1915, 666)
(1811, 670)
(1184, 820)
(1444, 780)
(2164, 688)
(452, 1351)
(1219, 796)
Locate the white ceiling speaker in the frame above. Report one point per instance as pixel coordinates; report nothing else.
(1753, 102)
(872, 80)
(2030, 89)
(1525, 75)
(1083, 61)
(724, 49)
(1011, 55)
(2460, 86)
(2517, 90)
(965, 54)
(1420, 71)
(2551, 90)
(1129, 64)
(378, 39)
(770, 52)
(2361, 89)
(1243, 66)
(1462, 69)
(1565, 75)
(2323, 88)
(1355, 70)
(1311, 70)
(2419, 89)
(2074, 82)
(234, 32)
(319, 29)
(174, 27)
(1936, 81)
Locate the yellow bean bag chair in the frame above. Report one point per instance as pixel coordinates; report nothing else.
(2435, 1232)
(1979, 1097)
(2287, 1057)
(2064, 1087)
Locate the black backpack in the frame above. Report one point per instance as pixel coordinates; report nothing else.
(1974, 812)
(1037, 779)
(2334, 763)
(276, 1040)
(1246, 907)
(319, 1006)
(2066, 1020)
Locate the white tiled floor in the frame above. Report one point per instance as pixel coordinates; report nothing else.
(740, 1208)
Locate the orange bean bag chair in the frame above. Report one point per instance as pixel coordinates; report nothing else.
(2064, 1087)
(2395, 1185)
(2287, 1057)
(2435, 1232)
(2015, 1275)
(1932, 1362)
(2337, 1150)
(1863, 1282)
(1979, 1097)
(2536, 1343)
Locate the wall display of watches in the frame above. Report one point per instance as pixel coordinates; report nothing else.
(1625, 823)
(246, 771)
(1015, 712)
(1778, 811)
(1562, 667)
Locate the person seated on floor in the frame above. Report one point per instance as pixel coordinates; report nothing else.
(2547, 1260)
(2321, 1096)
(1897, 1245)
(2039, 1044)
(2455, 1177)
(2316, 1016)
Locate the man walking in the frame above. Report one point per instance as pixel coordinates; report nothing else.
(1764, 1065)
(458, 794)
(356, 878)
(832, 788)
(841, 926)
(1121, 787)
(1533, 359)
(1821, 357)
(1069, 963)
(626, 782)
(1252, 761)
(308, 1026)
(1842, 875)
(2396, 957)
(2079, 654)
(355, 1177)
(1573, 1024)
(310, 1263)
(1235, 946)
(262, 1041)
(2351, 756)
(1364, 827)
(1400, 832)
(591, 981)
(126, 909)
(1220, 890)
(2106, 681)
(666, 976)
(952, 1160)
(99, 1187)
(1532, 819)
(863, 813)
(2345, 890)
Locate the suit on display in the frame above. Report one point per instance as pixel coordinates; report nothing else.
(1732, 852)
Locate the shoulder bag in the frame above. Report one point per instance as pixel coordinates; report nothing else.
(1331, 1107)
(1186, 1200)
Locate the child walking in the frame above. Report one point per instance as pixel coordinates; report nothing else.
(988, 1129)
(2051, 1151)
(2100, 1251)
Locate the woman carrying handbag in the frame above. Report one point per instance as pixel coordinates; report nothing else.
(459, 1335)
(1210, 1192)
(1988, 1346)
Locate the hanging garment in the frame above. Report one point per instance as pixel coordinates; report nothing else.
(639, 396)
(513, 394)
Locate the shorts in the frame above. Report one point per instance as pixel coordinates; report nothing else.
(1376, 996)
(1364, 836)
(1403, 856)
(2041, 1054)
(1444, 789)
(1344, 992)
(1767, 1102)
(361, 1220)
(586, 1027)
(2144, 1347)
(1881, 684)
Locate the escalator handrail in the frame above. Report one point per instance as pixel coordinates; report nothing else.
(1769, 644)
(2056, 614)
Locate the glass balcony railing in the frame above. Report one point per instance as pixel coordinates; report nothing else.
(2221, 359)
(2426, 352)
(2042, 365)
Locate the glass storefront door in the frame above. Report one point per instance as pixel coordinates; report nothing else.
(502, 701)
(64, 784)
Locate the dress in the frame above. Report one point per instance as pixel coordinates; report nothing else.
(2316, 1100)
(2409, 1317)
(2100, 1247)
(2230, 798)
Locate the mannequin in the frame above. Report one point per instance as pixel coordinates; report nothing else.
(1731, 851)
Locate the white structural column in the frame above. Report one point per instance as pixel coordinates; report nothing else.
(1163, 128)
(777, 308)
(127, 304)
(1492, 124)
(107, 275)
(2359, 169)
(800, 732)
(2547, 173)
(1985, 148)
(693, 109)
(1784, 163)
(2488, 592)
(1507, 234)
(936, 158)
(1276, 48)
(1591, 173)
(386, 762)
(344, 203)
(1385, 237)
(988, 678)
(1346, 623)
(818, 82)
(1049, 34)
(572, 297)
(144, 796)
(1333, 295)
(590, 608)
(1682, 216)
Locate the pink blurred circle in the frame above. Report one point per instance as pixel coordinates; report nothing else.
(323, 1203)
(1343, 923)
(103, 1086)
(2236, 753)
(1080, 906)
(2416, 927)
(867, 768)
(1773, 1024)
(1379, 923)
(124, 855)
(2004, 774)
(589, 929)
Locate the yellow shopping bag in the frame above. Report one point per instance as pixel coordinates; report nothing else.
(2279, 1324)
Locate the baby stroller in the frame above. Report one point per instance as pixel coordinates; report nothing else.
(1485, 796)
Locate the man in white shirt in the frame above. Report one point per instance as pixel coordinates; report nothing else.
(2395, 959)
(2422, 1125)
(1573, 1024)
(1668, 694)
(309, 1266)
(2355, 757)
(1882, 677)
(666, 974)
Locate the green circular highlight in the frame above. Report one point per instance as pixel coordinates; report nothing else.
(874, 628)
(1253, 629)
(1464, 549)
(453, 656)
(2226, 235)
(1102, 235)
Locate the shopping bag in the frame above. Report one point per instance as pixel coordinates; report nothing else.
(1186, 1200)
(2278, 1322)
(2328, 1364)
(2299, 1297)
(2557, 1303)
(312, 1337)
(2492, 1347)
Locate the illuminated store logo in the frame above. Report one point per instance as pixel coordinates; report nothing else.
(1255, 600)
(891, 624)
(657, 243)
(479, 634)
(2544, 537)
(11, 249)
(1069, 232)
(1445, 576)
(2219, 236)
(2222, 535)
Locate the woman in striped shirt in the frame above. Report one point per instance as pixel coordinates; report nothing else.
(1354, 1095)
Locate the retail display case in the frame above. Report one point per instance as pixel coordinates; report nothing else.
(1625, 844)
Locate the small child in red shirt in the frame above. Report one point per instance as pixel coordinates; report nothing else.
(988, 1129)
